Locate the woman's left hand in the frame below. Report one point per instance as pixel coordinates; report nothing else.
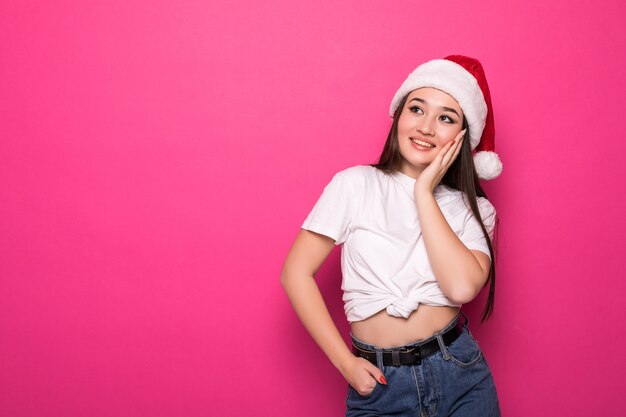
(434, 172)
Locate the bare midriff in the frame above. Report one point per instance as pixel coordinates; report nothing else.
(385, 331)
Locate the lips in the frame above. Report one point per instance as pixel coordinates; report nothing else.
(422, 142)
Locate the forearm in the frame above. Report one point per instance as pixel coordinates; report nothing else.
(309, 305)
(457, 270)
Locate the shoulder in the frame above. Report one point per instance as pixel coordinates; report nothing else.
(359, 175)
(359, 171)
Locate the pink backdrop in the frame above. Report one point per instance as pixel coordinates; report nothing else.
(158, 158)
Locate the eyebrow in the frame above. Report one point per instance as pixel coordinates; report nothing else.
(450, 109)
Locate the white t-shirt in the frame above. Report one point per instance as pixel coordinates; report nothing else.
(384, 263)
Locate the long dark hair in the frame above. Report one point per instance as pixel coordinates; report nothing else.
(461, 175)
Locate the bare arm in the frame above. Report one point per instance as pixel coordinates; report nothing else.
(304, 259)
(461, 272)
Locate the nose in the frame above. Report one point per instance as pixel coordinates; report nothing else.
(426, 125)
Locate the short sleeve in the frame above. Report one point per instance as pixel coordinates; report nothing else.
(332, 213)
(472, 235)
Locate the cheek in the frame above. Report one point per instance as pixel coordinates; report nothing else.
(404, 125)
(406, 119)
(450, 132)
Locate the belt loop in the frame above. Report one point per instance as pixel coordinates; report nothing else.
(395, 357)
(442, 347)
(379, 359)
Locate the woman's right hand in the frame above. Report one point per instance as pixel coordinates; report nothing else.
(362, 375)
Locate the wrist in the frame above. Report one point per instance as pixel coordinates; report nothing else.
(344, 364)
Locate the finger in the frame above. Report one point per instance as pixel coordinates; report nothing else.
(455, 146)
(448, 152)
(377, 374)
(458, 149)
(461, 134)
(441, 155)
(455, 152)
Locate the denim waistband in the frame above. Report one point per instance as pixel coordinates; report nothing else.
(449, 326)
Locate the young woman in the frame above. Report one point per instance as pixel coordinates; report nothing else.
(417, 233)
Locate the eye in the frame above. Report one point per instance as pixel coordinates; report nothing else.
(415, 109)
(446, 119)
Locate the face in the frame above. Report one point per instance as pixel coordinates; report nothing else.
(430, 119)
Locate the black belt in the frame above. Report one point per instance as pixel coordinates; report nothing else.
(413, 354)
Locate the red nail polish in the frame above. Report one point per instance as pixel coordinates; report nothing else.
(383, 380)
(453, 141)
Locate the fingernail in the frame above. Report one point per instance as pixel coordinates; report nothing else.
(383, 380)
(453, 142)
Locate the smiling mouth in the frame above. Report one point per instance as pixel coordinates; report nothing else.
(422, 143)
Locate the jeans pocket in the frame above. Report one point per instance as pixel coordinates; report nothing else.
(353, 394)
(464, 351)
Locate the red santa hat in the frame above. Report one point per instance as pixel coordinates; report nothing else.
(464, 79)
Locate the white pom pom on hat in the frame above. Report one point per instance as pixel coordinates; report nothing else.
(464, 79)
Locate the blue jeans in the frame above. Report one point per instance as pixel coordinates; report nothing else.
(455, 381)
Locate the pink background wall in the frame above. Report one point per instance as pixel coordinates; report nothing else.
(158, 157)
